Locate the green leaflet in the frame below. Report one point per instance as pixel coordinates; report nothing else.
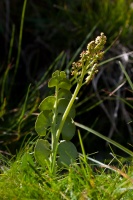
(59, 80)
(63, 93)
(47, 103)
(62, 105)
(67, 153)
(43, 122)
(42, 151)
(68, 130)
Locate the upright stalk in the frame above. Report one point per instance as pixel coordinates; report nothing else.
(53, 131)
(79, 85)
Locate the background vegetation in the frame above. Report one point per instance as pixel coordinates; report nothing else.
(47, 35)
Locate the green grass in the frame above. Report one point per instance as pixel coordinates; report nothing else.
(83, 180)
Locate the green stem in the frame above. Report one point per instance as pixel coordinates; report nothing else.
(53, 131)
(79, 85)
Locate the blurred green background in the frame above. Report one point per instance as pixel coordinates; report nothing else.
(53, 35)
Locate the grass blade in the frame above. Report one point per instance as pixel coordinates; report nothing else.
(105, 138)
(11, 44)
(20, 36)
(126, 75)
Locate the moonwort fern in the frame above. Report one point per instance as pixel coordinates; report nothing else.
(58, 111)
